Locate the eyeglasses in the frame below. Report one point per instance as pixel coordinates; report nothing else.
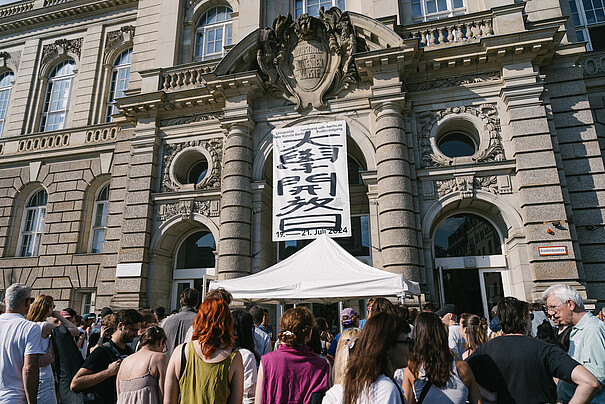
(409, 342)
(553, 309)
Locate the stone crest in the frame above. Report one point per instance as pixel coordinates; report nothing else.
(310, 59)
(186, 208)
(467, 185)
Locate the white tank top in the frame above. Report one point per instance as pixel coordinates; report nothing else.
(455, 392)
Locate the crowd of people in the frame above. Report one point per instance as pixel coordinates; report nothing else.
(547, 352)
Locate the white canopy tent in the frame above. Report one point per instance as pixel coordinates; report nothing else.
(322, 272)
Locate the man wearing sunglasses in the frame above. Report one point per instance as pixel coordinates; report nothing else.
(586, 339)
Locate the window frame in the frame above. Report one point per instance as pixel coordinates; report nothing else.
(449, 11)
(116, 69)
(36, 232)
(8, 91)
(303, 6)
(94, 228)
(201, 31)
(52, 80)
(583, 28)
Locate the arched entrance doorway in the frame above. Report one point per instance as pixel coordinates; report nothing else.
(468, 253)
(194, 264)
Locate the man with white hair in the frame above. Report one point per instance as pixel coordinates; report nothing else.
(20, 348)
(586, 340)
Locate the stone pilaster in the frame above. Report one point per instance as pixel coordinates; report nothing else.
(541, 197)
(236, 200)
(396, 217)
(135, 213)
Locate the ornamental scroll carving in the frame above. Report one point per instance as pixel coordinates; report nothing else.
(186, 208)
(61, 47)
(487, 113)
(467, 185)
(593, 65)
(113, 39)
(453, 81)
(183, 120)
(309, 59)
(10, 60)
(214, 147)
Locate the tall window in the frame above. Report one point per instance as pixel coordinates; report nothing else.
(120, 76)
(100, 221)
(213, 33)
(589, 20)
(311, 7)
(197, 251)
(427, 10)
(33, 220)
(58, 92)
(6, 84)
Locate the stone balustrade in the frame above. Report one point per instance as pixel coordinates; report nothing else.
(185, 77)
(593, 64)
(451, 31)
(59, 140)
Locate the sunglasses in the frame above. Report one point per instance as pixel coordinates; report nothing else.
(409, 342)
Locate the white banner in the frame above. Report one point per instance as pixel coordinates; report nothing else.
(310, 182)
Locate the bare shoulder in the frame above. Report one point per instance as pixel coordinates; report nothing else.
(464, 370)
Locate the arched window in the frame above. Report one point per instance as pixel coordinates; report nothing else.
(457, 144)
(58, 91)
(213, 33)
(197, 251)
(466, 235)
(99, 224)
(6, 84)
(120, 77)
(311, 7)
(31, 227)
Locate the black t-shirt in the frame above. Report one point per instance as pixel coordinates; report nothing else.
(520, 369)
(99, 360)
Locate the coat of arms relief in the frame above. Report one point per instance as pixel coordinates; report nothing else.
(308, 59)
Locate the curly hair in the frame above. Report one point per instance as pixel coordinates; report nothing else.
(475, 332)
(213, 326)
(295, 324)
(431, 350)
(370, 357)
(38, 311)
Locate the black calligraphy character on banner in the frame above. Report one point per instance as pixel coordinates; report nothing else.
(310, 222)
(313, 203)
(305, 158)
(307, 138)
(309, 184)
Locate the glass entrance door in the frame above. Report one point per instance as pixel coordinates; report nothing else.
(493, 288)
(461, 287)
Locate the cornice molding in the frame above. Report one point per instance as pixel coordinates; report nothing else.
(27, 14)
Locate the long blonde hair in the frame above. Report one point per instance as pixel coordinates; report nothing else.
(343, 351)
(38, 311)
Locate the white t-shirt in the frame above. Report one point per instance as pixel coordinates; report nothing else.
(250, 375)
(18, 337)
(455, 340)
(382, 391)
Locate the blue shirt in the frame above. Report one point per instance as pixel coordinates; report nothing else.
(587, 346)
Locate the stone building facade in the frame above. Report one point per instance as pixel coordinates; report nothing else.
(136, 148)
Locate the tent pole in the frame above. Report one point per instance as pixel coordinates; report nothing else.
(280, 312)
(340, 308)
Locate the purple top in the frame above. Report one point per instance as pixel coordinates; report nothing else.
(292, 374)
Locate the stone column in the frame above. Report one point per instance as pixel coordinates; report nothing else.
(396, 218)
(540, 183)
(236, 201)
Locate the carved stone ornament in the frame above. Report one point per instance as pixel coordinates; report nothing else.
(310, 59)
(186, 208)
(60, 47)
(182, 120)
(593, 65)
(467, 185)
(488, 115)
(211, 180)
(115, 38)
(453, 81)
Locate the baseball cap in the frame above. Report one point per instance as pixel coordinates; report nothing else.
(346, 316)
(90, 316)
(106, 311)
(65, 314)
(446, 309)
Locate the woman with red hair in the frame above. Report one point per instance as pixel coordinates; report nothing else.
(207, 369)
